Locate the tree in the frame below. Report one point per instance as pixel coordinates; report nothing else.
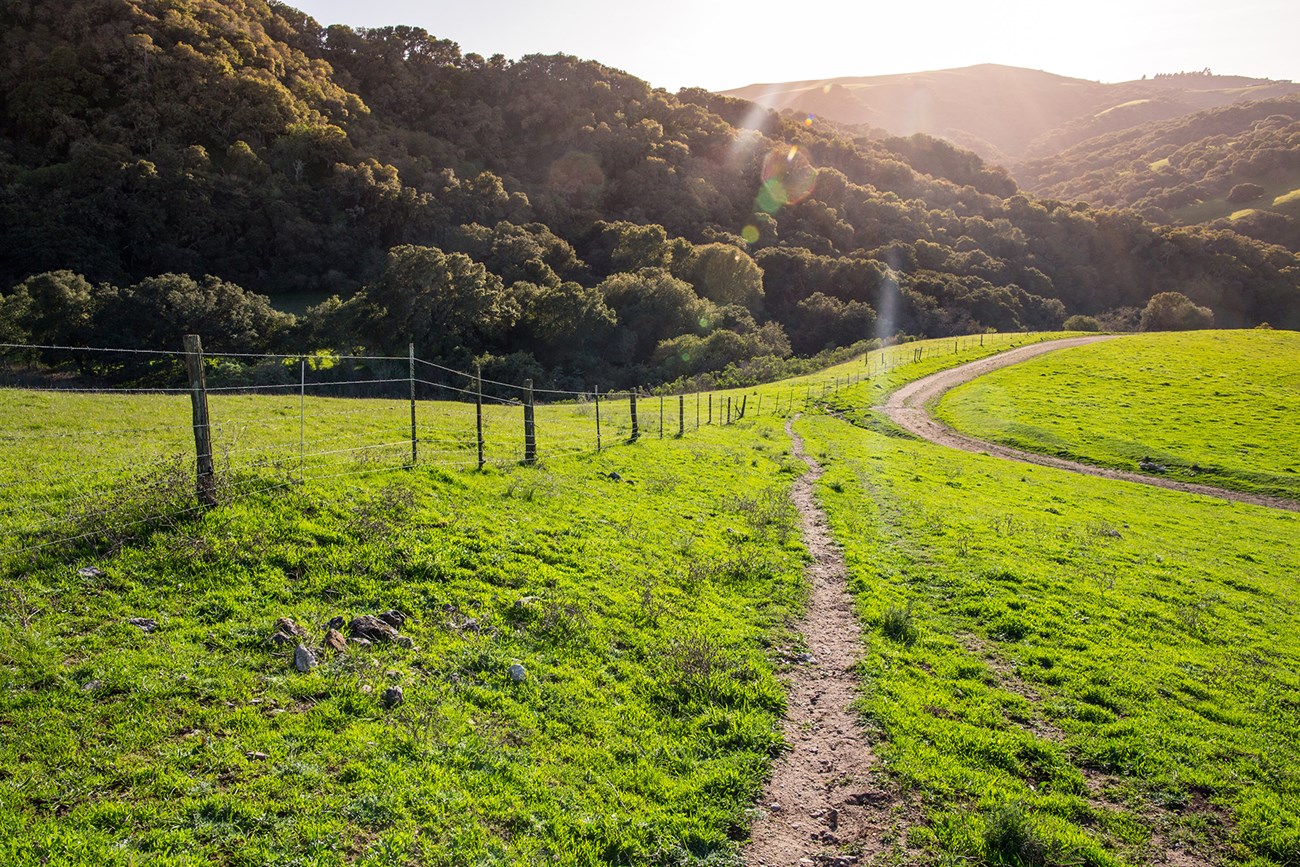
(1174, 311)
(653, 306)
(725, 274)
(446, 304)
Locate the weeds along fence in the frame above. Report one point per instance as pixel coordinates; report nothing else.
(85, 459)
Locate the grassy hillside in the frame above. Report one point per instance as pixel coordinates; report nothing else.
(1216, 407)
(1059, 670)
(1065, 670)
(1004, 113)
(649, 615)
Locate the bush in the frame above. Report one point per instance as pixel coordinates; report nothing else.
(1245, 193)
(1174, 311)
(1081, 323)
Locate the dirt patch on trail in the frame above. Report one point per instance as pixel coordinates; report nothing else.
(824, 804)
(909, 408)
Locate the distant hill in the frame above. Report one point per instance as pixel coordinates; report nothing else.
(1006, 113)
(1236, 166)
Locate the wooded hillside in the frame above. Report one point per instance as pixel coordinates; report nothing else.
(548, 215)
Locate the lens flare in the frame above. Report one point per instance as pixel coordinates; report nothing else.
(788, 178)
(750, 234)
(578, 177)
(808, 121)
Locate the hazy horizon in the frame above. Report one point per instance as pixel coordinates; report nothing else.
(676, 44)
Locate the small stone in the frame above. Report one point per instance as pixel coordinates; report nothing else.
(393, 696)
(404, 641)
(148, 624)
(395, 619)
(288, 627)
(775, 807)
(335, 641)
(833, 819)
(359, 642)
(303, 659)
(336, 622)
(367, 688)
(90, 572)
(370, 627)
(257, 756)
(283, 638)
(614, 476)
(92, 685)
(518, 673)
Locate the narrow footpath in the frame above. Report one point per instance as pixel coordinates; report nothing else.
(822, 805)
(909, 408)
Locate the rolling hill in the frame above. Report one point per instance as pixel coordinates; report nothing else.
(1006, 113)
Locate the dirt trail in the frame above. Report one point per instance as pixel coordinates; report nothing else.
(821, 806)
(909, 409)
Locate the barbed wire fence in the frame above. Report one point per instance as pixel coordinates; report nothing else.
(215, 428)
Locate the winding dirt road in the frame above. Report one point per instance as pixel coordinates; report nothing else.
(909, 409)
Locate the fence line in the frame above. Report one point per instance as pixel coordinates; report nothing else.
(473, 429)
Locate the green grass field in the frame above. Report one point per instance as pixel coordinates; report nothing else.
(646, 612)
(1059, 670)
(1067, 670)
(1214, 407)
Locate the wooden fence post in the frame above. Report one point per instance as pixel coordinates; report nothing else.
(681, 416)
(411, 348)
(710, 407)
(530, 429)
(206, 481)
(697, 410)
(661, 416)
(302, 419)
(759, 411)
(597, 390)
(744, 401)
(728, 409)
(636, 430)
(478, 409)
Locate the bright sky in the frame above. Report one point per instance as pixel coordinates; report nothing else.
(678, 43)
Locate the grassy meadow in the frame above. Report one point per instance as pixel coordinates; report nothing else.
(1214, 407)
(1068, 670)
(1058, 670)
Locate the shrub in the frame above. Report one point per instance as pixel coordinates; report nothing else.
(1081, 323)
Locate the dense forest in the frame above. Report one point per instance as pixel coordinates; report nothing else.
(165, 164)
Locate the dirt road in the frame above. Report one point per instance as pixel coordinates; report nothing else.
(909, 409)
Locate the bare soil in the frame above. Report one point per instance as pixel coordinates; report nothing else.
(824, 803)
(909, 408)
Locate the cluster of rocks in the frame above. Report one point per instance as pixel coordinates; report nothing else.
(363, 631)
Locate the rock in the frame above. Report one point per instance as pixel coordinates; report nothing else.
(92, 685)
(832, 819)
(775, 807)
(614, 476)
(336, 622)
(393, 696)
(518, 673)
(470, 625)
(288, 627)
(335, 641)
(90, 572)
(360, 642)
(372, 628)
(404, 641)
(257, 756)
(283, 638)
(395, 619)
(148, 624)
(303, 659)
